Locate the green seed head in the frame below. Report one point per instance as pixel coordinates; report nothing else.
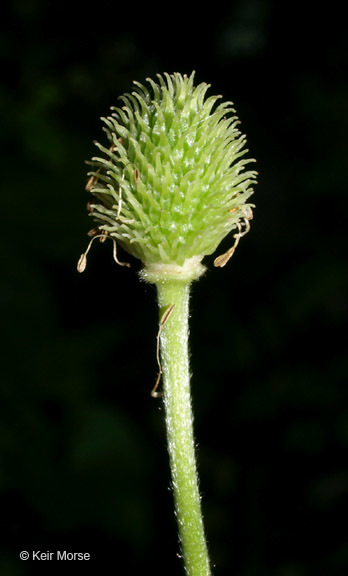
(172, 182)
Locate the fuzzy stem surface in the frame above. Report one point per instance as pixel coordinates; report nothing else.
(179, 423)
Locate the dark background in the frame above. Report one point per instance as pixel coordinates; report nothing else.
(82, 443)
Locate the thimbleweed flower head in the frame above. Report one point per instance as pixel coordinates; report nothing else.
(172, 183)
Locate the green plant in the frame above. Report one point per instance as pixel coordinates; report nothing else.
(169, 187)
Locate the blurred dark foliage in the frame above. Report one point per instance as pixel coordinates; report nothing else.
(82, 447)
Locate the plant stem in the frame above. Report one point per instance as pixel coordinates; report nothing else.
(179, 422)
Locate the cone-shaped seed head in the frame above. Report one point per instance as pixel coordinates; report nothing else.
(172, 182)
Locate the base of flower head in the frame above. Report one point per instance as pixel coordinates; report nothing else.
(159, 272)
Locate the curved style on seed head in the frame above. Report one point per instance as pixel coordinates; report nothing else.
(172, 182)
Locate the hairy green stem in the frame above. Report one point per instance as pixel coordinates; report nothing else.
(179, 422)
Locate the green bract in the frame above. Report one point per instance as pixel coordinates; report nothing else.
(172, 182)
